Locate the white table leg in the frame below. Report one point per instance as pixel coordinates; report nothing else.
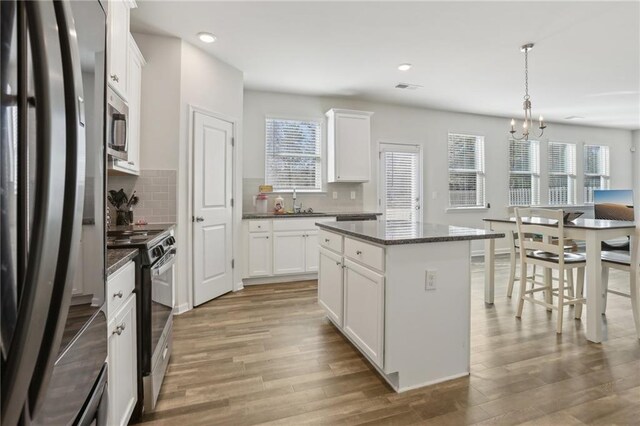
(594, 288)
(489, 266)
(635, 287)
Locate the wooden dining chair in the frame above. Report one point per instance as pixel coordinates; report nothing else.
(625, 261)
(544, 253)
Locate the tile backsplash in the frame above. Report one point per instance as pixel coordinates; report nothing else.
(319, 202)
(156, 190)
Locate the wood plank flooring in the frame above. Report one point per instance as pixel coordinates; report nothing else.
(267, 355)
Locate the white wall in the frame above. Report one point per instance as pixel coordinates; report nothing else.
(214, 86)
(176, 76)
(393, 123)
(160, 109)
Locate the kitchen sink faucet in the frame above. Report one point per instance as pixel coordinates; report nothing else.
(297, 208)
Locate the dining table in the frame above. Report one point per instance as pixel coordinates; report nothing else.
(592, 232)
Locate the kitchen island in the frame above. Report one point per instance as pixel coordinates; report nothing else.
(400, 292)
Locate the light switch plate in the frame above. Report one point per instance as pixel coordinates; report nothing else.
(353, 195)
(430, 278)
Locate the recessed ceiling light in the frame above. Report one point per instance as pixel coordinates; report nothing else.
(404, 67)
(207, 37)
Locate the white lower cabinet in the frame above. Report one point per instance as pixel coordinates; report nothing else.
(364, 309)
(260, 254)
(311, 251)
(288, 252)
(330, 285)
(122, 359)
(282, 247)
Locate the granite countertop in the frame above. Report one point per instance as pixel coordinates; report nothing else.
(406, 232)
(117, 258)
(314, 214)
(147, 227)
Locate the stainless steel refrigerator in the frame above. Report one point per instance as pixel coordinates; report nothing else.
(53, 335)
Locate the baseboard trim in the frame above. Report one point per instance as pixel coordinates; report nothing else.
(279, 279)
(181, 309)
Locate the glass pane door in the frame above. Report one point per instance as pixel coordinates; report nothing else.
(401, 182)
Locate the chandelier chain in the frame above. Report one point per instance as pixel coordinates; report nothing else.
(526, 73)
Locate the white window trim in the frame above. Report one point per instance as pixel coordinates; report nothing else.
(323, 151)
(482, 173)
(572, 196)
(533, 173)
(605, 179)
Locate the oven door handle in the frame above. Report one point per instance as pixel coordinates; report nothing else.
(165, 265)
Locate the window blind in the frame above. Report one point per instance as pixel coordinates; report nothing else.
(562, 173)
(524, 173)
(466, 170)
(292, 157)
(401, 184)
(596, 170)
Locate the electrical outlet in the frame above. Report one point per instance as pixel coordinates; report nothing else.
(353, 195)
(430, 278)
(335, 195)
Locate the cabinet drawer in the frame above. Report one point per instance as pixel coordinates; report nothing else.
(330, 240)
(259, 226)
(299, 224)
(119, 287)
(365, 253)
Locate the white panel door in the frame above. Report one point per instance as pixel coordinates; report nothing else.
(260, 258)
(311, 251)
(288, 252)
(364, 310)
(330, 290)
(212, 210)
(401, 182)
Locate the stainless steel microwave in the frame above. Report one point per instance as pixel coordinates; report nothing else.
(117, 126)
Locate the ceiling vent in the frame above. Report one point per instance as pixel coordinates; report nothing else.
(408, 86)
(574, 117)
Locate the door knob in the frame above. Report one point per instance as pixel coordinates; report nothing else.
(199, 219)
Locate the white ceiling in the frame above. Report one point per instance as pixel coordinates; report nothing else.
(466, 55)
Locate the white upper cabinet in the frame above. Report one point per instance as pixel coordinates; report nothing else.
(348, 145)
(118, 42)
(135, 62)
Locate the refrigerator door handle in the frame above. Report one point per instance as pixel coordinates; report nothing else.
(73, 201)
(38, 281)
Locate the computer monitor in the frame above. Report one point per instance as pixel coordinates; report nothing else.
(613, 204)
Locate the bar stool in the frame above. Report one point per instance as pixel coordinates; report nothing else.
(548, 224)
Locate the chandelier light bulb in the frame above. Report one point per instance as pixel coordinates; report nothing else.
(513, 122)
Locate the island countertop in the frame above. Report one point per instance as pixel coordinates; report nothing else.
(406, 232)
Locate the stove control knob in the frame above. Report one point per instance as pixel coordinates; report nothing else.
(173, 240)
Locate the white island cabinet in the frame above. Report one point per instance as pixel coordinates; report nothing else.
(401, 295)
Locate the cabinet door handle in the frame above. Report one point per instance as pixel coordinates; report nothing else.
(326, 240)
(259, 226)
(118, 294)
(199, 219)
(119, 329)
(358, 252)
(267, 237)
(114, 77)
(338, 263)
(131, 163)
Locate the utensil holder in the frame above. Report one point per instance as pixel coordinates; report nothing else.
(123, 217)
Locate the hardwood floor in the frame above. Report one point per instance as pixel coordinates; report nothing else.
(267, 354)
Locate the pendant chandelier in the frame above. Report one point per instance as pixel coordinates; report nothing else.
(527, 124)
